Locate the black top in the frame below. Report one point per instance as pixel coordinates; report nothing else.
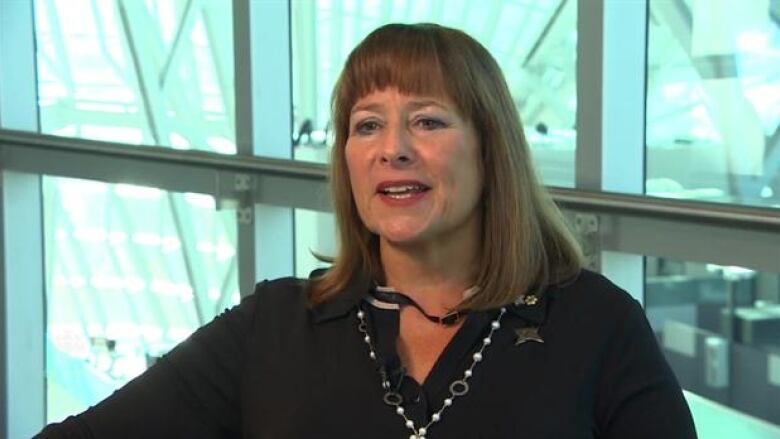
(273, 368)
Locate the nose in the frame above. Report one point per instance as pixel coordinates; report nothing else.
(398, 149)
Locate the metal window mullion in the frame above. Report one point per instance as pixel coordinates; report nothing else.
(262, 41)
(183, 29)
(22, 293)
(144, 48)
(611, 71)
(306, 61)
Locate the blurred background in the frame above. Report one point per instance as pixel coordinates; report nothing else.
(160, 156)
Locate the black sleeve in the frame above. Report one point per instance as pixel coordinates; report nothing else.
(192, 392)
(639, 396)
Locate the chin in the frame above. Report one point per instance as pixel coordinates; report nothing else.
(401, 235)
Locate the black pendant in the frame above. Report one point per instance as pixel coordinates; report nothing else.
(527, 334)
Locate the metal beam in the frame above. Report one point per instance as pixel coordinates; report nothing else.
(266, 238)
(22, 293)
(22, 312)
(755, 249)
(186, 22)
(545, 32)
(755, 231)
(684, 230)
(590, 84)
(145, 72)
(732, 216)
(27, 152)
(610, 156)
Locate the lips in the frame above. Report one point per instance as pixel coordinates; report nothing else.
(400, 189)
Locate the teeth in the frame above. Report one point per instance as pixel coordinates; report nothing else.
(400, 196)
(398, 189)
(401, 189)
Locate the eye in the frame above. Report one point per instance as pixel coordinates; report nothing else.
(366, 127)
(430, 123)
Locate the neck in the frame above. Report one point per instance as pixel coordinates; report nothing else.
(434, 276)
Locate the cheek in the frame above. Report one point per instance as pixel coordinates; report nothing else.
(357, 176)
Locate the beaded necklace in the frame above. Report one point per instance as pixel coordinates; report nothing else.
(458, 387)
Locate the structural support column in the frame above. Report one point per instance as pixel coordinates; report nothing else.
(266, 240)
(611, 84)
(22, 295)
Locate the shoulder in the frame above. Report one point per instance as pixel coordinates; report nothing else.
(593, 292)
(281, 289)
(592, 306)
(282, 295)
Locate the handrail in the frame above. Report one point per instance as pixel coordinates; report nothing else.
(200, 159)
(603, 202)
(705, 212)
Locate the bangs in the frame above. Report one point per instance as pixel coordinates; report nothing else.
(408, 58)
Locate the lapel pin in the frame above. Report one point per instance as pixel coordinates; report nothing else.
(527, 334)
(530, 299)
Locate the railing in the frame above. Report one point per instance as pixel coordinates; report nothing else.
(690, 230)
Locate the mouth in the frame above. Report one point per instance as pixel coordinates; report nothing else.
(400, 190)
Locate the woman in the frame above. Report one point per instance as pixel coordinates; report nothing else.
(456, 307)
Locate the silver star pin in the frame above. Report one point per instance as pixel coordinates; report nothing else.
(527, 334)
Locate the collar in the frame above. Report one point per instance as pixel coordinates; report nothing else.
(357, 288)
(532, 308)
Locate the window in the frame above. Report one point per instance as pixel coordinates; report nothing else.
(130, 272)
(713, 104)
(719, 327)
(315, 235)
(153, 73)
(533, 41)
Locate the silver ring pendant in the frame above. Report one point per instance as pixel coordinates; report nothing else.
(393, 398)
(362, 327)
(459, 388)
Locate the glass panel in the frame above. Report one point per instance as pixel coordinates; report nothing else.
(138, 72)
(719, 327)
(315, 234)
(713, 104)
(533, 41)
(130, 272)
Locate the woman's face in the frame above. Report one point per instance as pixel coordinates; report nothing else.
(414, 166)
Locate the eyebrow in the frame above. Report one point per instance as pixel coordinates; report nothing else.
(415, 104)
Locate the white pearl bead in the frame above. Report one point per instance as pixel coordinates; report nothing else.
(448, 402)
(422, 431)
(372, 355)
(486, 341)
(435, 417)
(495, 324)
(399, 410)
(467, 373)
(477, 356)
(503, 309)
(367, 339)
(414, 436)
(410, 424)
(361, 314)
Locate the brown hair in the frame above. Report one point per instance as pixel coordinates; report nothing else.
(525, 243)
